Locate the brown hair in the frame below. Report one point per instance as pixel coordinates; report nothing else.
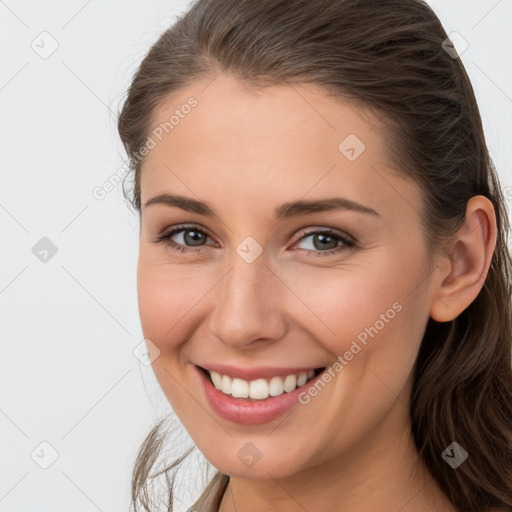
(387, 55)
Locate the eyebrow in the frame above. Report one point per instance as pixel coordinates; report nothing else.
(286, 210)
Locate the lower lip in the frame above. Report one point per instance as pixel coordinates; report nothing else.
(250, 412)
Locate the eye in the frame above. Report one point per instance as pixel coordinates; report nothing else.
(187, 235)
(192, 239)
(325, 242)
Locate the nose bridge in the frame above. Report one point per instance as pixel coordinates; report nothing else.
(246, 302)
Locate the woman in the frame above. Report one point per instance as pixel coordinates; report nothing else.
(323, 268)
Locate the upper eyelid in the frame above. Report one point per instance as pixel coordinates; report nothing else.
(338, 232)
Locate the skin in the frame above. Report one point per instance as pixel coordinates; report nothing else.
(247, 153)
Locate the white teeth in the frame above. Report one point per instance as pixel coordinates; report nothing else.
(290, 383)
(217, 379)
(275, 388)
(226, 385)
(260, 389)
(303, 377)
(240, 388)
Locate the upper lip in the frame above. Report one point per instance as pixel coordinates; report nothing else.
(249, 374)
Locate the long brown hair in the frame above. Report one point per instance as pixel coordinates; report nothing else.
(391, 57)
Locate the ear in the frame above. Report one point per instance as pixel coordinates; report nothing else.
(465, 266)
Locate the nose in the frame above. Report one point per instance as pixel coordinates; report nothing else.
(248, 305)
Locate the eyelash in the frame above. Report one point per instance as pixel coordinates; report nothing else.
(348, 244)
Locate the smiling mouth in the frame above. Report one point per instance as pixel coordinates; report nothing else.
(260, 389)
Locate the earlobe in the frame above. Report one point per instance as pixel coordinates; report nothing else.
(467, 262)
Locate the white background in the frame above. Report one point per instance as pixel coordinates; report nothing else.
(68, 375)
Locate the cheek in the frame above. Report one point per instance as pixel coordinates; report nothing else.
(167, 298)
(361, 303)
(373, 318)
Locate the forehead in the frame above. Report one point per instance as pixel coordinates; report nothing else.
(279, 142)
(271, 118)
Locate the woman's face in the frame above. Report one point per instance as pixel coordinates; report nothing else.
(255, 288)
